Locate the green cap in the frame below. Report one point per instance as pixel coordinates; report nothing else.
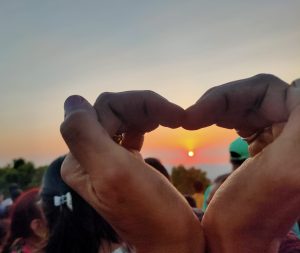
(239, 150)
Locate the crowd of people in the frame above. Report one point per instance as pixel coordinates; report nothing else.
(103, 197)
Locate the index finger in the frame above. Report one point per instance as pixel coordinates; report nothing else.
(245, 105)
(136, 111)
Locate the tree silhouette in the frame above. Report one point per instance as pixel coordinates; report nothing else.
(22, 172)
(18, 163)
(184, 178)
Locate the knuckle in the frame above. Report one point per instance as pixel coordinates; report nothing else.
(212, 91)
(150, 93)
(103, 97)
(266, 77)
(296, 83)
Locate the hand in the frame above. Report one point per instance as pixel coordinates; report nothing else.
(259, 202)
(263, 138)
(113, 120)
(141, 205)
(134, 113)
(247, 105)
(266, 136)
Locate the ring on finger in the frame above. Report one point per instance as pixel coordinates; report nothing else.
(118, 138)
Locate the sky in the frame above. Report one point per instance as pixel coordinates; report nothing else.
(52, 49)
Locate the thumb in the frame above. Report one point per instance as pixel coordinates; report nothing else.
(77, 103)
(81, 130)
(87, 140)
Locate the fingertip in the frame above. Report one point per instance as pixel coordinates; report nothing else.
(194, 118)
(77, 111)
(84, 135)
(76, 102)
(175, 119)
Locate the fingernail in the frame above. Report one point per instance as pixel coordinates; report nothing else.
(72, 103)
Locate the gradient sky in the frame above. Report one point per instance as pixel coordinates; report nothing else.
(52, 49)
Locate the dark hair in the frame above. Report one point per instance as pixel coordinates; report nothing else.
(156, 164)
(221, 179)
(198, 186)
(13, 186)
(24, 210)
(237, 163)
(81, 229)
(14, 191)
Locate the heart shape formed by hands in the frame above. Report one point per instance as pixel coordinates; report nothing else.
(247, 105)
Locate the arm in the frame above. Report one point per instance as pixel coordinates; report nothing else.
(142, 206)
(258, 204)
(261, 200)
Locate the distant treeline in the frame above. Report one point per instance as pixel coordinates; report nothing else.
(22, 172)
(26, 175)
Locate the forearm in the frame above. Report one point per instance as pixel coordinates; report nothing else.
(260, 207)
(153, 216)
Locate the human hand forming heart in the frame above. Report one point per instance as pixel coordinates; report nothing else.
(117, 183)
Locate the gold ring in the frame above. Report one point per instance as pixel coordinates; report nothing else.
(118, 138)
(252, 137)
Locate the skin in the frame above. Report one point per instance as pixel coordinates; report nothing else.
(135, 113)
(109, 177)
(260, 200)
(247, 105)
(254, 221)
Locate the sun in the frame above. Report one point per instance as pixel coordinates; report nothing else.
(191, 153)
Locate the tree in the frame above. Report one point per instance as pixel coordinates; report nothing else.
(183, 178)
(36, 180)
(22, 172)
(18, 163)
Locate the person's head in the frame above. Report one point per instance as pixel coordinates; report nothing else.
(27, 219)
(14, 191)
(156, 164)
(198, 186)
(74, 226)
(238, 152)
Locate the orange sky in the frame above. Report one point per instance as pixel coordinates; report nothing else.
(169, 145)
(210, 145)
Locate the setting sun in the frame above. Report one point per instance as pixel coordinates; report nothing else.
(191, 153)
